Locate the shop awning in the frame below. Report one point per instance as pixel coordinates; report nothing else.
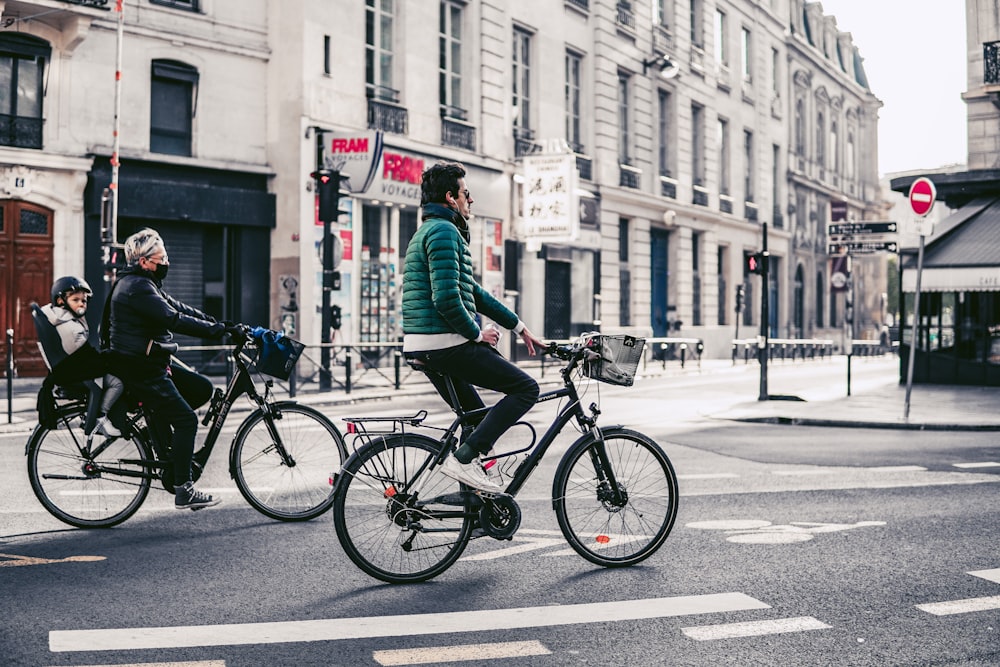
(964, 253)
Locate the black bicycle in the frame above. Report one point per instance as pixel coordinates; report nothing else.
(615, 494)
(283, 457)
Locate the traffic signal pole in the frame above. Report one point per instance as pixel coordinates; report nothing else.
(328, 192)
(764, 316)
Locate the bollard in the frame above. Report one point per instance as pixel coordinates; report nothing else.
(684, 349)
(10, 376)
(663, 355)
(746, 353)
(397, 356)
(347, 370)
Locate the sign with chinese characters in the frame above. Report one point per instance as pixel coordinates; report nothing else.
(550, 207)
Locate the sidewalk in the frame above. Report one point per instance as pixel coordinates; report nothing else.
(932, 407)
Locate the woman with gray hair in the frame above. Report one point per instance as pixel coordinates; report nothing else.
(138, 323)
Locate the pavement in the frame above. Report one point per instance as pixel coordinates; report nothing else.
(932, 407)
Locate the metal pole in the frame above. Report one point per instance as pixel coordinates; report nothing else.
(10, 376)
(764, 315)
(115, 163)
(915, 331)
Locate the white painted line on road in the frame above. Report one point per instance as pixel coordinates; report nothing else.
(524, 545)
(961, 606)
(709, 475)
(333, 629)
(753, 628)
(810, 471)
(466, 652)
(198, 663)
(988, 575)
(982, 464)
(895, 469)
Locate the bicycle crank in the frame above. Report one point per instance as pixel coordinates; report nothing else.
(500, 517)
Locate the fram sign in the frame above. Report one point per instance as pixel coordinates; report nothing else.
(401, 176)
(355, 155)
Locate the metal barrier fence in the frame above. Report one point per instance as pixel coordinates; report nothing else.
(804, 348)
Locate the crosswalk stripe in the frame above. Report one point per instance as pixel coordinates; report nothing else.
(464, 652)
(333, 629)
(753, 628)
(980, 464)
(961, 606)
(197, 663)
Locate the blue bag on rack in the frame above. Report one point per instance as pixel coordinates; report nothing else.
(278, 353)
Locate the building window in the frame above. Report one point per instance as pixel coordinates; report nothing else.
(775, 73)
(696, 280)
(723, 143)
(379, 39)
(820, 288)
(573, 67)
(698, 143)
(834, 149)
(850, 155)
(661, 12)
(820, 141)
(172, 106)
(326, 54)
(800, 128)
(450, 61)
(775, 185)
(624, 137)
(748, 165)
(521, 71)
(664, 138)
(190, 5)
(721, 48)
(746, 50)
(624, 275)
(697, 28)
(22, 66)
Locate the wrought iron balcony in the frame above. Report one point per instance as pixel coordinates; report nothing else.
(387, 117)
(750, 211)
(524, 142)
(699, 196)
(625, 19)
(725, 204)
(585, 165)
(580, 4)
(991, 63)
(777, 219)
(668, 186)
(458, 134)
(20, 131)
(629, 177)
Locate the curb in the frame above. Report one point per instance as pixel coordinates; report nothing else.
(840, 423)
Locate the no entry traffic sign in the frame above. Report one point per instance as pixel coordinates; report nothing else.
(922, 195)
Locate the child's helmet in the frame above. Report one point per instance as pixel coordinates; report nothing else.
(68, 285)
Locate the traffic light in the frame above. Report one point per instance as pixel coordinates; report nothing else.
(739, 298)
(755, 262)
(328, 191)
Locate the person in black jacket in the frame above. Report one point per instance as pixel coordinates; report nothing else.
(140, 319)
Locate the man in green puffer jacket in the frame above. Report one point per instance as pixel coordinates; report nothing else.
(441, 301)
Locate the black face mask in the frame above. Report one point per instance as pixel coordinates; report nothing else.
(160, 272)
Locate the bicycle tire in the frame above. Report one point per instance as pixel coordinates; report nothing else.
(67, 485)
(296, 492)
(368, 506)
(603, 532)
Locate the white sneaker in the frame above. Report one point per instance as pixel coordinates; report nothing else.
(105, 427)
(471, 474)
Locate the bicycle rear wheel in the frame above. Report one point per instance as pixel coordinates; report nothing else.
(615, 530)
(385, 527)
(283, 461)
(88, 489)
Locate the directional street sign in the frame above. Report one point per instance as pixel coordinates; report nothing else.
(835, 239)
(861, 228)
(861, 247)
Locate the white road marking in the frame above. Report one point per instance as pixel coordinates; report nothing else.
(896, 469)
(981, 464)
(523, 546)
(709, 475)
(753, 628)
(809, 471)
(198, 663)
(988, 575)
(961, 606)
(465, 652)
(485, 620)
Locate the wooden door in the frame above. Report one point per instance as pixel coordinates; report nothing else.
(26, 276)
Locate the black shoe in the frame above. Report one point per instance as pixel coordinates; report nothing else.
(186, 497)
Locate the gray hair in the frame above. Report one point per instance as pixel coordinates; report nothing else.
(143, 243)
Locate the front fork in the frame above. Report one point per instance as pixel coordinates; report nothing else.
(609, 487)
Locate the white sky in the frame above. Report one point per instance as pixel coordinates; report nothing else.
(914, 54)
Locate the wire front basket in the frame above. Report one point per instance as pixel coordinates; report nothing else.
(620, 355)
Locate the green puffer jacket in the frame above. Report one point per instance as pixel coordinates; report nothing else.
(440, 294)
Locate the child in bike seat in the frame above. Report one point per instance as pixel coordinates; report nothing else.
(73, 359)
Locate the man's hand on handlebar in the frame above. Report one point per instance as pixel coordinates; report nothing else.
(531, 342)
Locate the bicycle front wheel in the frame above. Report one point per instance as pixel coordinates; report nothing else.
(615, 527)
(284, 461)
(390, 529)
(93, 487)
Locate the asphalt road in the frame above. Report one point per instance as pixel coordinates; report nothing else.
(793, 546)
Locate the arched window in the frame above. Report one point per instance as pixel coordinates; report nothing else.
(22, 72)
(174, 88)
(800, 128)
(834, 148)
(820, 141)
(850, 155)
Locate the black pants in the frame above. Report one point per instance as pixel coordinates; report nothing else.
(170, 398)
(480, 364)
(82, 367)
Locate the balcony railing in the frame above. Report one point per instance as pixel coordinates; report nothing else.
(20, 131)
(991, 63)
(725, 204)
(626, 19)
(668, 186)
(699, 196)
(585, 165)
(524, 142)
(777, 219)
(629, 177)
(750, 211)
(580, 4)
(387, 117)
(458, 134)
